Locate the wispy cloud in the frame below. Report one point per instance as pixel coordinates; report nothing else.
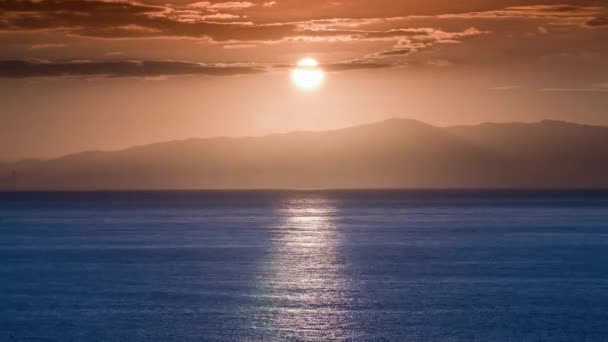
(506, 87)
(577, 90)
(593, 88)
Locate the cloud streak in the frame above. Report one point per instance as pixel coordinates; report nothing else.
(152, 69)
(355, 65)
(29, 69)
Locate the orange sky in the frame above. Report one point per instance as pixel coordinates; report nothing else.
(79, 75)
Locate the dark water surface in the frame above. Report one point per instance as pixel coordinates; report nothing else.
(306, 266)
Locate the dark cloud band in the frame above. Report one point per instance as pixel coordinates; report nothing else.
(27, 69)
(355, 65)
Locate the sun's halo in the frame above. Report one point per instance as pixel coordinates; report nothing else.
(307, 75)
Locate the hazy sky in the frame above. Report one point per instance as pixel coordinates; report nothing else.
(79, 75)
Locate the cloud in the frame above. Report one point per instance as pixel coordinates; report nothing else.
(396, 52)
(121, 19)
(206, 20)
(595, 89)
(231, 5)
(506, 87)
(147, 69)
(47, 46)
(239, 46)
(557, 12)
(440, 63)
(200, 4)
(425, 38)
(220, 16)
(79, 6)
(597, 22)
(402, 32)
(355, 65)
(555, 15)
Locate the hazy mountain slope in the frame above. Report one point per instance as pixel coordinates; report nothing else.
(392, 153)
(554, 153)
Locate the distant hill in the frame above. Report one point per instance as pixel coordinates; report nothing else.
(397, 153)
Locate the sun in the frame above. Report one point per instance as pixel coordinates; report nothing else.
(307, 75)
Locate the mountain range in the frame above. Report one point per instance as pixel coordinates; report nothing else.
(396, 153)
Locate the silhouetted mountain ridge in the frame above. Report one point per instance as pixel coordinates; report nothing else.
(395, 153)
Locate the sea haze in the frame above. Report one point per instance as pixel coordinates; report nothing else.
(304, 265)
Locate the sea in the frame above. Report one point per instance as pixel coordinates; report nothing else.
(377, 265)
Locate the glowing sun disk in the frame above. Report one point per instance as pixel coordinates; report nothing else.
(307, 75)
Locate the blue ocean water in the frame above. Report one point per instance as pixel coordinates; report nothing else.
(304, 266)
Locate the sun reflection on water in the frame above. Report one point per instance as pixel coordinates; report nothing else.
(306, 280)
